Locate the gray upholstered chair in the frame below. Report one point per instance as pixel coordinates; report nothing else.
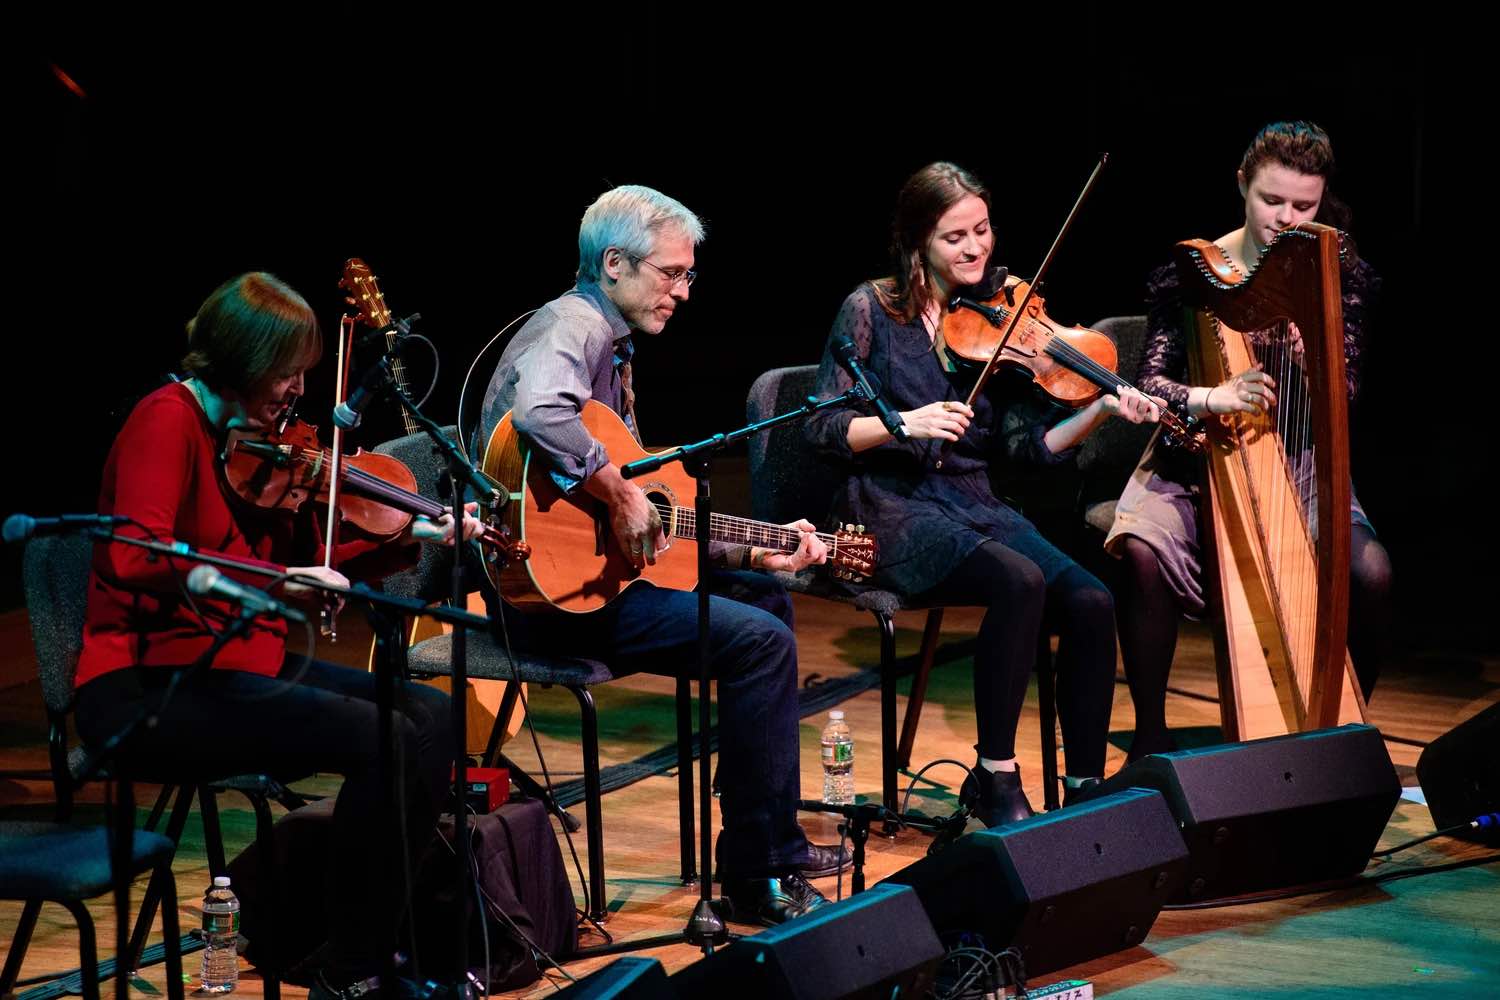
(1109, 455)
(487, 659)
(58, 863)
(56, 574)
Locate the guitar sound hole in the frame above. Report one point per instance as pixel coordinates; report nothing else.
(663, 502)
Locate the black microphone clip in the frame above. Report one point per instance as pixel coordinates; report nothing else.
(846, 355)
(376, 380)
(400, 327)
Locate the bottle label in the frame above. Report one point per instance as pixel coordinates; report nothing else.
(221, 923)
(838, 753)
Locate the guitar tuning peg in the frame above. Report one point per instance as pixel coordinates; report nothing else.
(859, 528)
(848, 527)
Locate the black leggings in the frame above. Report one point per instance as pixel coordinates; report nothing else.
(1148, 614)
(1019, 603)
(227, 722)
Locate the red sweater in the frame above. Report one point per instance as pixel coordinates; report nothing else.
(163, 471)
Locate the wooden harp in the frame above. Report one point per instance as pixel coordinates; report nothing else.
(1275, 523)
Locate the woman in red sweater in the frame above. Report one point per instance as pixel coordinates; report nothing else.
(258, 708)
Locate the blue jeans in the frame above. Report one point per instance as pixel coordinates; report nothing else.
(754, 660)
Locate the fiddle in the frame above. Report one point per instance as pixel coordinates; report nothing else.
(1073, 365)
(376, 493)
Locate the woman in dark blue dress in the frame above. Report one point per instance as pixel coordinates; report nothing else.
(944, 536)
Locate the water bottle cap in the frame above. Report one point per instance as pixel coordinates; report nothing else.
(837, 713)
(220, 881)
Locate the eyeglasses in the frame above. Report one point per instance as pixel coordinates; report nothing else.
(673, 276)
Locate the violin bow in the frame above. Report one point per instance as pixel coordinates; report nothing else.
(340, 387)
(1020, 309)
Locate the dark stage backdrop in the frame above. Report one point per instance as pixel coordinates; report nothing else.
(455, 152)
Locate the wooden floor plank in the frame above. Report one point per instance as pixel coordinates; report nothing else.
(1438, 933)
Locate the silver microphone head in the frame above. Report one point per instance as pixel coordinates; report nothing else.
(202, 579)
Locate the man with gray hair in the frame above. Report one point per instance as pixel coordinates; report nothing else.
(635, 266)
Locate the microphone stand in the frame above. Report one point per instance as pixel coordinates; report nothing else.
(705, 928)
(460, 471)
(859, 816)
(385, 612)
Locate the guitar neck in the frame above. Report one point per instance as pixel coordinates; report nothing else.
(398, 372)
(682, 522)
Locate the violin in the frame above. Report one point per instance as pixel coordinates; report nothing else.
(376, 493)
(1073, 365)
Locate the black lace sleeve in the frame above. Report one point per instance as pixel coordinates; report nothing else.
(1360, 288)
(1024, 424)
(1164, 359)
(828, 430)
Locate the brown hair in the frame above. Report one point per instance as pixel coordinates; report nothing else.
(1304, 147)
(250, 327)
(925, 196)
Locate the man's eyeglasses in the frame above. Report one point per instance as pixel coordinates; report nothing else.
(673, 276)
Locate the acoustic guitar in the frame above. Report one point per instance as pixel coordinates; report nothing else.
(576, 563)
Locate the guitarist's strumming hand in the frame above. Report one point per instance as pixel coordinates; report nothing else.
(633, 518)
(811, 551)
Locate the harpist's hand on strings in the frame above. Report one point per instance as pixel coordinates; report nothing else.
(946, 420)
(1251, 391)
(810, 552)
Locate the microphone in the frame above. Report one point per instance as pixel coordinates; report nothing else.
(372, 384)
(19, 527)
(207, 581)
(843, 351)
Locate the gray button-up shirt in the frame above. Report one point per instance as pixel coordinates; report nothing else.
(569, 352)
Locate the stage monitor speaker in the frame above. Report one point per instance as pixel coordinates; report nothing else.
(1460, 774)
(624, 979)
(1287, 810)
(1063, 887)
(873, 946)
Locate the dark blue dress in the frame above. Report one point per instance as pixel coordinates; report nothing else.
(926, 519)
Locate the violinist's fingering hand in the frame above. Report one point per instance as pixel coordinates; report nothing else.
(1132, 405)
(440, 531)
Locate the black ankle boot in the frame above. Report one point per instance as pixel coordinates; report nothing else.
(997, 798)
(1145, 744)
(1088, 788)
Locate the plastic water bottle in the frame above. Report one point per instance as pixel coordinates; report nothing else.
(221, 928)
(838, 761)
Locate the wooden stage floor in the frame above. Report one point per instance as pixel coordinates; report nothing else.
(1437, 935)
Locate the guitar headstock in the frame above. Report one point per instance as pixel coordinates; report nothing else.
(854, 554)
(364, 294)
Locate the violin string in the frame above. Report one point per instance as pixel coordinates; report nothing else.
(1079, 362)
(1100, 375)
